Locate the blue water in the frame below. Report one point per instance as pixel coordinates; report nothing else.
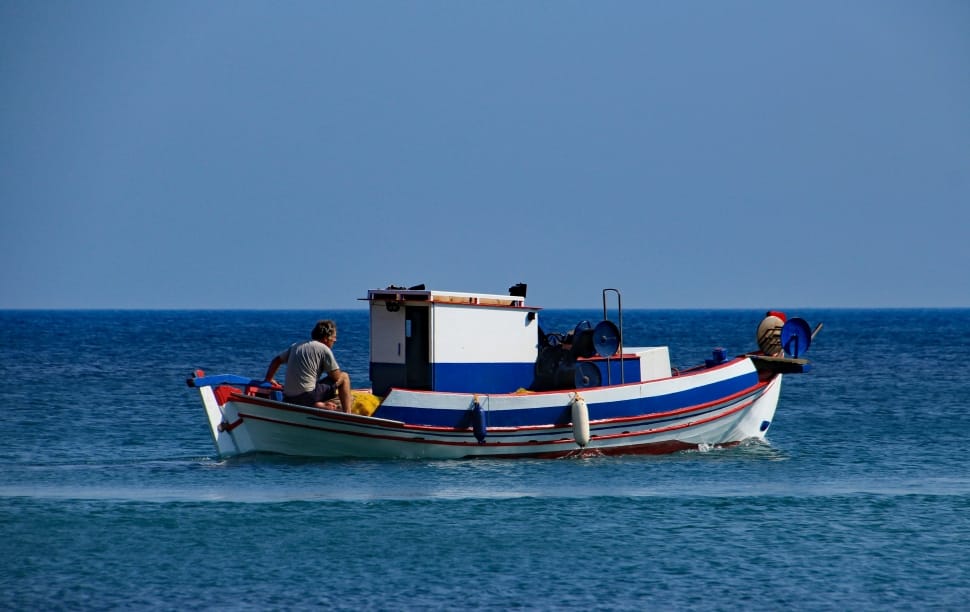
(111, 496)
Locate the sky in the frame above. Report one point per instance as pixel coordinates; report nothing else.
(292, 155)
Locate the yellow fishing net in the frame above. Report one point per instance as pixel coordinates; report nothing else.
(365, 403)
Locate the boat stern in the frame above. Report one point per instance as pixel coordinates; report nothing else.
(227, 428)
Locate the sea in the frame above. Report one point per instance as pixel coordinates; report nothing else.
(112, 496)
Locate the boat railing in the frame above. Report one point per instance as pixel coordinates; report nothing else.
(619, 309)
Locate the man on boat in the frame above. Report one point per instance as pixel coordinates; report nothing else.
(306, 362)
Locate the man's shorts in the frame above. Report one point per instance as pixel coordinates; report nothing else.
(324, 391)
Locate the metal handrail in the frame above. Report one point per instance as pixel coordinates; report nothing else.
(619, 309)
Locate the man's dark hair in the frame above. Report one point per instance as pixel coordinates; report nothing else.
(323, 329)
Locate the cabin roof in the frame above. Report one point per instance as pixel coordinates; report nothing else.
(446, 297)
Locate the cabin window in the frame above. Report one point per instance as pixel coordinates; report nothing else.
(407, 328)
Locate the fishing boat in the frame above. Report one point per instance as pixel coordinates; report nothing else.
(463, 375)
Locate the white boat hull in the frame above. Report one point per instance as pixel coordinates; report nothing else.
(655, 417)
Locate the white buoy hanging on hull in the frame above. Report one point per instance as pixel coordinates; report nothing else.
(478, 421)
(580, 414)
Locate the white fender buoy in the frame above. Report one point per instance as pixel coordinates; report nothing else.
(580, 415)
(478, 421)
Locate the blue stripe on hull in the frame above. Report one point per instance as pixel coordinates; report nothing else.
(673, 401)
(561, 415)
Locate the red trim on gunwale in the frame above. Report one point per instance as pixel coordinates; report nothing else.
(704, 421)
(679, 411)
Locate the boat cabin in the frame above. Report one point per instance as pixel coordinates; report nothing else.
(446, 341)
(449, 341)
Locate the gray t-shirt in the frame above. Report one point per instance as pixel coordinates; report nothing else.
(306, 362)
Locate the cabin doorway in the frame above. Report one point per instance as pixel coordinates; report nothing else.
(417, 343)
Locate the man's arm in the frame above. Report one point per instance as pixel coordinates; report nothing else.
(273, 366)
(335, 375)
